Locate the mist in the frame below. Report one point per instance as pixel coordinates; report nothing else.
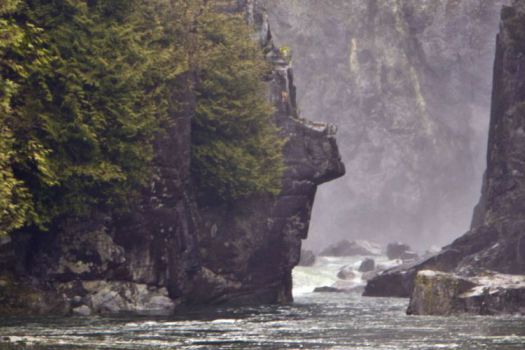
(408, 84)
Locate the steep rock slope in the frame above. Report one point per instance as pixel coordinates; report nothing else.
(496, 240)
(406, 81)
(168, 251)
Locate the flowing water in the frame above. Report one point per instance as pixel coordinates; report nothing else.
(314, 321)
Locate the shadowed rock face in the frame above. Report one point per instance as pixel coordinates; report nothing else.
(496, 240)
(169, 251)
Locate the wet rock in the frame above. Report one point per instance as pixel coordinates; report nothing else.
(397, 282)
(396, 250)
(366, 276)
(346, 273)
(439, 293)
(350, 248)
(307, 258)
(367, 265)
(326, 289)
(124, 297)
(82, 311)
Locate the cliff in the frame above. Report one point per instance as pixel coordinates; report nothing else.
(406, 82)
(169, 251)
(496, 241)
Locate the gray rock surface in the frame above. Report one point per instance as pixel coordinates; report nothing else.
(439, 293)
(346, 273)
(367, 265)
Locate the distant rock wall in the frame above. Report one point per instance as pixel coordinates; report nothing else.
(408, 84)
(496, 240)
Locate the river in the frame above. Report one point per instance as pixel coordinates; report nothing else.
(313, 321)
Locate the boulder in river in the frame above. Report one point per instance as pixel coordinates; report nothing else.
(396, 249)
(346, 273)
(307, 258)
(326, 289)
(367, 265)
(350, 248)
(409, 255)
(440, 293)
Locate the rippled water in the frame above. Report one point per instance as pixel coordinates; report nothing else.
(314, 321)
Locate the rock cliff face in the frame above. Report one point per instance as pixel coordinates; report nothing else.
(406, 81)
(169, 251)
(496, 240)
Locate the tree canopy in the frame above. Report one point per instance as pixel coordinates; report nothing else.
(85, 86)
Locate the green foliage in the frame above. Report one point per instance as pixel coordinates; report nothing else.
(237, 150)
(86, 85)
(15, 42)
(81, 103)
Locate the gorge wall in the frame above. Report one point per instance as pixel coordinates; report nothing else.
(496, 240)
(408, 84)
(169, 251)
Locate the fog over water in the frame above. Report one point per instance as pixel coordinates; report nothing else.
(408, 83)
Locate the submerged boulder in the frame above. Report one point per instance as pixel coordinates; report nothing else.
(440, 293)
(367, 265)
(350, 248)
(396, 250)
(346, 273)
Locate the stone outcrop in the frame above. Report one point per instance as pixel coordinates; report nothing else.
(439, 293)
(496, 241)
(170, 251)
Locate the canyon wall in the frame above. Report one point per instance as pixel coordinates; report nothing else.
(408, 84)
(496, 240)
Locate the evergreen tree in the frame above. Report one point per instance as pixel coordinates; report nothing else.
(236, 147)
(86, 85)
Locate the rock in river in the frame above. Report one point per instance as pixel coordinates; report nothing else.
(440, 293)
(350, 248)
(367, 265)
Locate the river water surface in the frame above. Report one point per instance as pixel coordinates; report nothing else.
(314, 321)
